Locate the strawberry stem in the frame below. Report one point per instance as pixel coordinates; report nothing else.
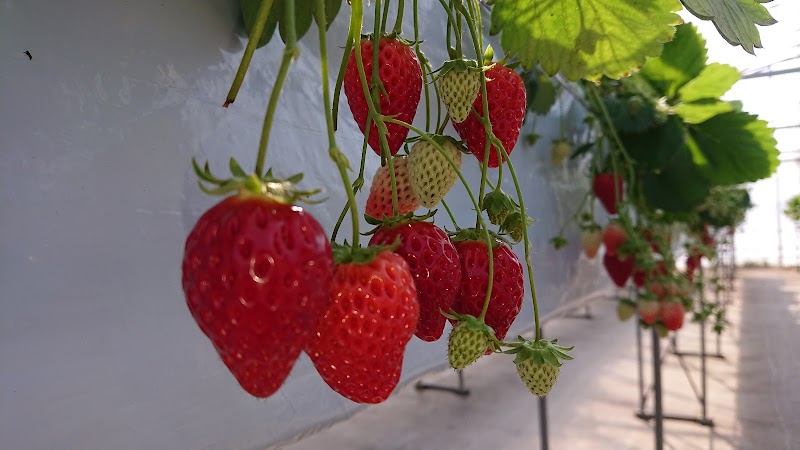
(398, 23)
(290, 52)
(336, 155)
(252, 43)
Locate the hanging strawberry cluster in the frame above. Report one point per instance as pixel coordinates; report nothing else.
(265, 283)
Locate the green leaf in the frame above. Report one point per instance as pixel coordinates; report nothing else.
(700, 111)
(584, 38)
(249, 13)
(681, 61)
(545, 96)
(712, 82)
(735, 20)
(734, 148)
(678, 186)
(303, 13)
(656, 147)
(630, 113)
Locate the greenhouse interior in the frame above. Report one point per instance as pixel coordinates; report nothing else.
(400, 224)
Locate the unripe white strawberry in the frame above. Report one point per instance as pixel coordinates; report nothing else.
(430, 174)
(539, 378)
(561, 150)
(465, 345)
(458, 88)
(379, 202)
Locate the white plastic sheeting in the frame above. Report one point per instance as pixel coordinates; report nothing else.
(97, 348)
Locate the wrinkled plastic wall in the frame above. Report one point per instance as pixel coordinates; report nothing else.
(97, 347)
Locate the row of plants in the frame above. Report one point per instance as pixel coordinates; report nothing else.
(265, 282)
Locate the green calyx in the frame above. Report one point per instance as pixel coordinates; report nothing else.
(515, 224)
(390, 222)
(392, 35)
(347, 254)
(498, 206)
(279, 190)
(460, 65)
(474, 234)
(541, 351)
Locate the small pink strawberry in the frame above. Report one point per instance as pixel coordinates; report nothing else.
(379, 202)
(591, 239)
(672, 313)
(648, 308)
(613, 236)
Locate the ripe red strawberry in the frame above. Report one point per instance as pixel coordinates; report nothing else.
(614, 235)
(591, 238)
(639, 276)
(618, 270)
(693, 261)
(373, 311)
(401, 75)
(430, 174)
(505, 95)
(672, 313)
(607, 188)
(379, 202)
(648, 308)
(256, 274)
(507, 286)
(435, 267)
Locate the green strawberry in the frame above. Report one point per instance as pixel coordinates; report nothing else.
(514, 225)
(459, 82)
(498, 205)
(561, 150)
(469, 339)
(625, 309)
(430, 174)
(538, 363)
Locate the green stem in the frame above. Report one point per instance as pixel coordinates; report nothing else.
(398, 23)
(383, 17)
(425, 65)
(290, 52)
(336, 155)
(450, 213)
(252, 43)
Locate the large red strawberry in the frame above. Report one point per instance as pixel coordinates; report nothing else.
(672, 313)
(505, 95)
(434, 264)
(618, 269)
(507, 286)
(401, 76)
(614, 235)
(373, 311)
(256, 274)
(379, 202)
(607, 188)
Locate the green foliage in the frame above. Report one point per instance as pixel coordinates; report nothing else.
(735, 20)
(725, 206)
(793, 209)
(734, 148)
(303, 14)
(584, 38)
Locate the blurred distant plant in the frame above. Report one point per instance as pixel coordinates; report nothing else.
(793, 209)
(725, 206)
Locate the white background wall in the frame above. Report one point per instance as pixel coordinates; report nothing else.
(97, 347)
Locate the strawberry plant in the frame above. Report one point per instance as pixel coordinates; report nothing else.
(260, 277)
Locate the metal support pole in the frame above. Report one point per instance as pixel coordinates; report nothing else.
(460, 390)
(703, 375)
(545, 445)
(543, 431)
(659, 410)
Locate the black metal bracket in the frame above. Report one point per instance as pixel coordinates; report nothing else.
(460, 390)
